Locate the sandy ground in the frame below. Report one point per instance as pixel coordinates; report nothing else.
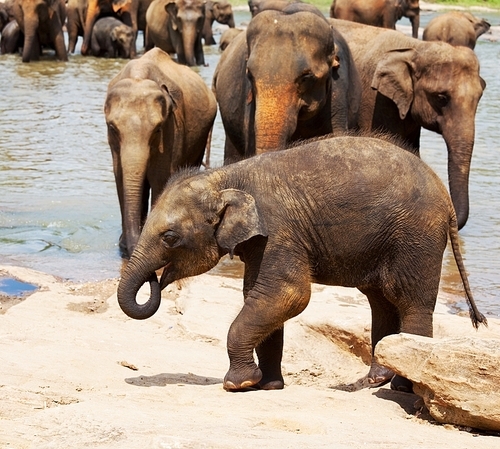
(76, 372)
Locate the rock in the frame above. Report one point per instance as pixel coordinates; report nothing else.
(458, 378)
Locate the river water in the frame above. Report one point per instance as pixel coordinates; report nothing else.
(59, 210)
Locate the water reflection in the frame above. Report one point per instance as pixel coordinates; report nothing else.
(59, 210)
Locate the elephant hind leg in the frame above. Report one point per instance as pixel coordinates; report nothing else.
(385, 321)
(270, 352)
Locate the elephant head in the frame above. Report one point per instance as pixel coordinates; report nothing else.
(187, 18)
(223, 12)
(290, 60)
(193, 225)
(440, 87)
(41, 22)
(122, 37)
(139, 142)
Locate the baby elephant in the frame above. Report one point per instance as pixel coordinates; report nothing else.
(111, 38)
(350, 211)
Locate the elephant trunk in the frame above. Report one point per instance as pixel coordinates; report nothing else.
(92, 13)
(459, 160)
(58, 40)
(30, 31)
(135, 197)
(134, 276)
(275, 119)
(189, 35)
(415, 23)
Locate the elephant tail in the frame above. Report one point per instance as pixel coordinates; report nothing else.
(475, 315)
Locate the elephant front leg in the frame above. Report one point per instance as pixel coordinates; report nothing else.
(270, 353)
(241, 340)
(259, 326)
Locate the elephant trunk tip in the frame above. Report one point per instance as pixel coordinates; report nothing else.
(127, 298)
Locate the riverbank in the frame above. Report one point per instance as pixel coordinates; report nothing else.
(76, 372)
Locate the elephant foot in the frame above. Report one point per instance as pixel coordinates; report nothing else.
(238, 380)
(379, 374)
(271, 385)
(399, 383)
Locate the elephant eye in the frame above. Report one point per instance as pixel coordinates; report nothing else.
(306, 80)
(112, 130)
(170, 239)
(442, 100)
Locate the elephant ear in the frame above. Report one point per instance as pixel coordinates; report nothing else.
(393, 78)
(171, 9)
(239, 220)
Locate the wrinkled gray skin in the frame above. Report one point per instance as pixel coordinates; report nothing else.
(41, 22)
(289, 77)
(300, 216)
(159, 114)
(12, 38)
(111, 38)
(220, 11)
(379, 13)
(408, 84)
(176, 26)
(456, 28)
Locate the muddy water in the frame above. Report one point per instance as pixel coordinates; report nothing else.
(58, 206)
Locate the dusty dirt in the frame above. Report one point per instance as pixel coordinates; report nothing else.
(77, 373)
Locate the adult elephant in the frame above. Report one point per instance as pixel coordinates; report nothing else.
(379, 13)
(176, 26)
(289, 77)
(130, 12)
(327, 212)
(257, 6)
(456, 28)
(41, 22)
(220, 11)
(159, 114)
(409, 84)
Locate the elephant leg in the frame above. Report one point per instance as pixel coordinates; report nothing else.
(231, 153)
(270, 353)
(385, 321)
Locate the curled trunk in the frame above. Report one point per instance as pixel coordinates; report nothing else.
(134, 276)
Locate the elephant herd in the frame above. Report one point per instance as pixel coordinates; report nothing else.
(109, 27)
(348, 202)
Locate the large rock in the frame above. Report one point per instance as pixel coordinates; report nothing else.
(458, 378)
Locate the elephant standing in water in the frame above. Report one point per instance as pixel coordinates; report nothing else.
(130, 12)
(290, 76)
(456, 28)
(41, 22)
(409, 84)
(379, 13)
(111, 38)
(159, 115)
(300, 216)
(220, 11)
(176, 26)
